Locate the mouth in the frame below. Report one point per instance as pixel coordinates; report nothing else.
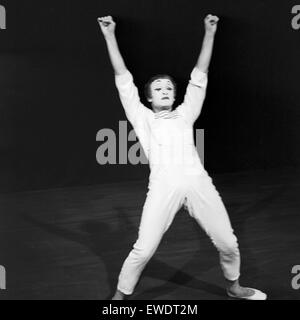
(165, 98)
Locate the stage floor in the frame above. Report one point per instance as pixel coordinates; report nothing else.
(70, 243)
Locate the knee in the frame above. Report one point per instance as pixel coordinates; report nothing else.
(229, 246)
(142, 254)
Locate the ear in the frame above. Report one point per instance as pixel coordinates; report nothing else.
(149, 100)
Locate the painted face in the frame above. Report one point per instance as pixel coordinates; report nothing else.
(162, 94)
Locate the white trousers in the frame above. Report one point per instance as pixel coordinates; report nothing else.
(167, 193)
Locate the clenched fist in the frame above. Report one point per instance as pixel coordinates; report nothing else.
(211, 23)
(107, 25)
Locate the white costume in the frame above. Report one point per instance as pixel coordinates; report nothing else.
(177, 178)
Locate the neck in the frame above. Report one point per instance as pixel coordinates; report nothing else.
(159, 109)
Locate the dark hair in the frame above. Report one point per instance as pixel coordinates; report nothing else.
(147, 89)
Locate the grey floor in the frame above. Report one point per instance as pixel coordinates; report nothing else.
(70, 243)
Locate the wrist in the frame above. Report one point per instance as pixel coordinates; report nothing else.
(210, 34)
(110, 37)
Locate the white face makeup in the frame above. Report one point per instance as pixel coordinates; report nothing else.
(162, 94)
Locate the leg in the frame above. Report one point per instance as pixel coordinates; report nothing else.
(206, 206)
(162, 203)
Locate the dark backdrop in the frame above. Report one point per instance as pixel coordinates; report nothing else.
(57, 87)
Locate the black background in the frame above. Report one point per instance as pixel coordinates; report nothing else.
(57, 88)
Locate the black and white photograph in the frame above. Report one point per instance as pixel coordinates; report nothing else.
(149, 150)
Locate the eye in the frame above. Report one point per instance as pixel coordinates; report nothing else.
(170, 88)
(157, 89)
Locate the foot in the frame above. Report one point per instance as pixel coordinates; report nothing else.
(240, 292)
(234, 290)
(118, 296)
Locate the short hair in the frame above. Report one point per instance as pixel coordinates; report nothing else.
(147, 89)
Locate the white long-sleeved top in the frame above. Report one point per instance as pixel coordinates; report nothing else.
(167, 136)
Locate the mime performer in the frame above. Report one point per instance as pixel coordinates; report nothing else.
(177, 176)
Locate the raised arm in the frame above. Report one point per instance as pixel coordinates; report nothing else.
(210, 23)
(196, 89)
(128, 92)
(108, 27)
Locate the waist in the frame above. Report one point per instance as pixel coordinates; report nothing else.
(194, 167)
(186, 155)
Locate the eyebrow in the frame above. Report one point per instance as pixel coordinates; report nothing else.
(168, 83)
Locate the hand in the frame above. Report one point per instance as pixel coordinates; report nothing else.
(107, 25)
(211, 23)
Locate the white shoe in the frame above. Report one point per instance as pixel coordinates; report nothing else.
(258, 295)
